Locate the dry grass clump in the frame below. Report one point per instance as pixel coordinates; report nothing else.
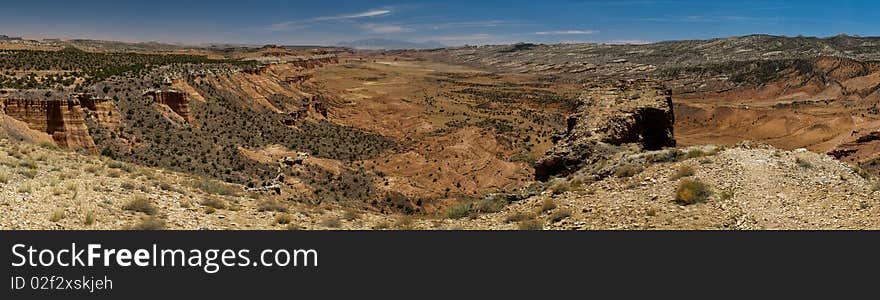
(141, 204)
(26, 188)
(382, 225)
(57, 215)
(283, 219)
(547, 205)
(351, 214)
(532, 224)
(691, 191)
(559, 215)
(684, 171)
(694, 153)
(626, 171)
(803, 163)
(214, 203)
(271, 205)
(404, 222)
(332, 222)
(89, 218)
(149, 223)
(519, 217)
(216, 187)
(459, 210)
(4, 177)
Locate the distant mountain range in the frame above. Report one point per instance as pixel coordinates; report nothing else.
(389, 44)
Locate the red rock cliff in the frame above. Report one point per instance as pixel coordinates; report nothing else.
(64, 120)
(174, 99)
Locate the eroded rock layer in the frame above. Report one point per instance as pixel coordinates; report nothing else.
(174, 99)
(64, 120)
(638, 112)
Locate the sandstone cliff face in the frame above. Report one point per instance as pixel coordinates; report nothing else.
(637, 113)
(64, 120)
(174, 99)
(101, 108)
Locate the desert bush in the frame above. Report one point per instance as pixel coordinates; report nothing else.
(519, 217)
(214, 203)
(283, 219)
(559, 186)
(216, 188)
(271, 205)
(459, 210)
(489, 205)
(625, 171)
(684, 171)
(691, 191)
(149, 223)
(694, 153)
(559, 215)
(119, 165)
(404, 222)
(351, 215)
(726, 194)
(861, 172)
(141, 204)
(382, 225)
(48, 145)
(803, 163)
(28, 173)
(547, 204)
(532, 224)
(127, 185)
(331, 222)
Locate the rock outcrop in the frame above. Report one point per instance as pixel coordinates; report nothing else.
(101, 108)
(633, 112)
(64, 120)
(174, 99)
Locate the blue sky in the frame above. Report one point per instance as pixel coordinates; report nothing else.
(451, 22)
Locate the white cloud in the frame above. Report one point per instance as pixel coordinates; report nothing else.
(369, 13)
(470, 37)
(384, 28)
(567, 32)
(304, 23)
(626, 42)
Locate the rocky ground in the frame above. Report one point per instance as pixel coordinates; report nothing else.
(750, 187)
